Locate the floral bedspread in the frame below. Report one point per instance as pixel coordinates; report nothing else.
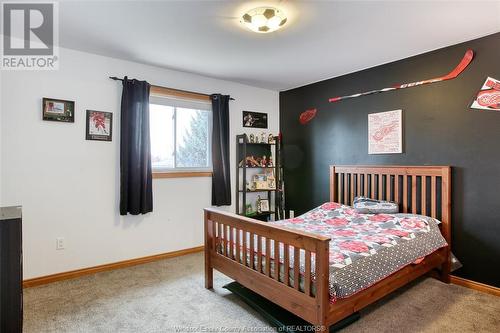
(366, 248)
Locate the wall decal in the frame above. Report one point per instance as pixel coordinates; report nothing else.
(254, 119)
(58, 110)
(385, 132)
(99, 126)
(307, 116)
(488, 98)
(453, 74)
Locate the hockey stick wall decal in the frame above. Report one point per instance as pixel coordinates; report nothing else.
(469, 54)
(308, 115)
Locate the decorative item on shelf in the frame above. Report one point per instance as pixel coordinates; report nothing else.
(271, 180)
(264, 205)
(260, 182)
(257, 204)
(271, 183)
(249, 210)
(251, 161)
(99, 126)
(250, 186)
(263, 161)
(488, 98)
(254, 119)
(256, 139)
(58, 110)
(263, 137)
(251, 138)
(270, 139)
(270, 162)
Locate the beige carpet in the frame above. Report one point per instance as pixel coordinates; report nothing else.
(168, 296)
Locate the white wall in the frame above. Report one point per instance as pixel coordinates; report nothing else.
(69, 187)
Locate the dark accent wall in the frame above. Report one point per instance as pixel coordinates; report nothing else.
(439, 129)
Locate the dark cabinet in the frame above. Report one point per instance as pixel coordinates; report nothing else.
(11, 271)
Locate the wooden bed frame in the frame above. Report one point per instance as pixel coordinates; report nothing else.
(424, 190)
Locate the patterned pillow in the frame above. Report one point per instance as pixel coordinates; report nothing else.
(366, 205)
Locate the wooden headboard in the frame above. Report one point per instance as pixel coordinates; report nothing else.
(424, 190)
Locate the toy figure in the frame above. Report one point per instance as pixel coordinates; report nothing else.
(263, 162)
(258, 205)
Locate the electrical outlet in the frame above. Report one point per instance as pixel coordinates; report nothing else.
(60, 244)
(292, 214)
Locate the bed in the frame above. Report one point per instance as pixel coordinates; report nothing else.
(293, 267)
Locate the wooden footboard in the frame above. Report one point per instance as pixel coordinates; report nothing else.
(240, 248)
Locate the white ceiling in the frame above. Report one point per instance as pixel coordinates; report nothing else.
(322, 39)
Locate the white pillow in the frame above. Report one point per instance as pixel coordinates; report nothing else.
(366, 205)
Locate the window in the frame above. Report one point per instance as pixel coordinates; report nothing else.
(181, 132)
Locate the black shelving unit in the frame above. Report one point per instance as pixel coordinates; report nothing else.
(244, 149)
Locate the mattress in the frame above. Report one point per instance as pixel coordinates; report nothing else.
(364, 248)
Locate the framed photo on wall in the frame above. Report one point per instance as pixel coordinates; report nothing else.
(254, 119)
(385, 132)
(99, 126)
(58, 110)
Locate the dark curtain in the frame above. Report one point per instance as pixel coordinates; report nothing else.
(221, 183)
(136, 193)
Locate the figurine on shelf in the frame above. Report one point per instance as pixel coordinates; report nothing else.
(258, 204)
(252, 161)
(249, 210)
(263, 137)
(256, 139)
(251, 138)
(263, 162)
(270, 162)
(270, 138)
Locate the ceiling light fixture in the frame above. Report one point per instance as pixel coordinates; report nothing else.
(264, 19)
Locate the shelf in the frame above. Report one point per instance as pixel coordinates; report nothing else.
(262, 144)
(260, 214)
(258, 167)
(253, 191)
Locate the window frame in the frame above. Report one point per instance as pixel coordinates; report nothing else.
(183, 96)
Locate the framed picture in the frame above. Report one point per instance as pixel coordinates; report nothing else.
(254, 119)
(385, 132)
(260, 182)
(99, 125)
(264, 205)
(58, 110)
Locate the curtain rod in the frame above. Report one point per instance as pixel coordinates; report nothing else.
(186, 91)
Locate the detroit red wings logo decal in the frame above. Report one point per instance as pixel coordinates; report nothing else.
(381, 133)
(488, 97)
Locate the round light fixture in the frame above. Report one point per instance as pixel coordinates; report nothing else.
(264, 19)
